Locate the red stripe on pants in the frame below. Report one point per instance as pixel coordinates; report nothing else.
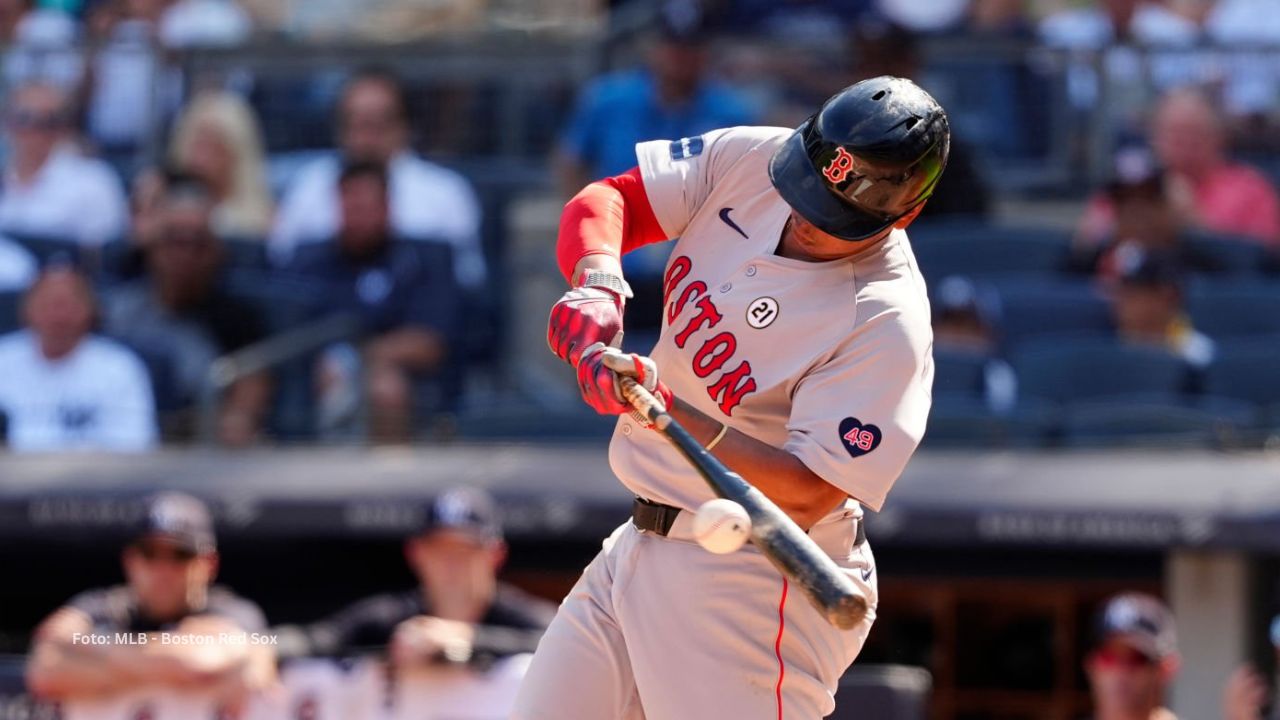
(777, 646)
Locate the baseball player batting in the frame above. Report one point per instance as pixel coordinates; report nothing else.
(796, 348)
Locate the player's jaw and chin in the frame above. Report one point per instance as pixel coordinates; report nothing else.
(804, 241)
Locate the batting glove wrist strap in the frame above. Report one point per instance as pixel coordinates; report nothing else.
(606, 281)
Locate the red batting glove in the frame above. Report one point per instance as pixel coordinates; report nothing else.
(581, 318)
(599, 378)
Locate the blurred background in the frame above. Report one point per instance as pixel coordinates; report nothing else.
(294, 257)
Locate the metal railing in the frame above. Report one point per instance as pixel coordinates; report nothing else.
(267, 354)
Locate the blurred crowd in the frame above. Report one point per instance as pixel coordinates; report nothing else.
(154, 245)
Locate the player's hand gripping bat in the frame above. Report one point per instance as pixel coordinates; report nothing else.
(776, 534)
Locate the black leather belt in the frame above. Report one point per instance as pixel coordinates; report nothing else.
(657, 518)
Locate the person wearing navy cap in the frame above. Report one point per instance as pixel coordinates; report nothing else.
(459, 613)
(110, 640)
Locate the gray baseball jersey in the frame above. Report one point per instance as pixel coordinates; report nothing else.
(830, 360)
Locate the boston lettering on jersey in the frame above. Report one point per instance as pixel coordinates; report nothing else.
(715, 353)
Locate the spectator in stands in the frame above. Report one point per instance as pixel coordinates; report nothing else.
(64, 388)
(218, 139)
(50, 190)
(965, 322)
(404, 292)
(1134, 659)
(126, 260)
(125, 68)
(1147, 306)
(1246, 692)
(459, 611)
(169, 566)
(1207, 189)
(1213, 192)
(671, 97)
(1142, 217)
(182, 312)
(427, 201)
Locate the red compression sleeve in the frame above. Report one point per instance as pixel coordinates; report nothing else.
(611, 216)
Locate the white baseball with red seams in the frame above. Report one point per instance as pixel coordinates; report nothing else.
(830, 361)
(721, 526)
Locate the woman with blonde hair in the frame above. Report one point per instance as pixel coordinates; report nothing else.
(218, 139)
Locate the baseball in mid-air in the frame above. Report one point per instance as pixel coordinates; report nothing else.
(721, 526)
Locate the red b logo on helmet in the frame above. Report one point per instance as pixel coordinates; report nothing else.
(839, 168)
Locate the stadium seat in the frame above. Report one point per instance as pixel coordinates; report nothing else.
(245, 253)
(959, 373)
(977, 231)
(1129, 423)
(997, 254)
(1031, 309)
(48, 249)
(963, 422)
(1067, 369)
(1225, 310)
(1229, 255)
(10, 311)
(884, 692)
(1246, 371)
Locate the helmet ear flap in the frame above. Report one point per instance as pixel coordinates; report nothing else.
(902, 222)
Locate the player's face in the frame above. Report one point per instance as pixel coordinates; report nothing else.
(813, 244)
(166, 578)
(1124, 681)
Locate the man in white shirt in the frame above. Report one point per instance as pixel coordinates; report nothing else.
(62, 388)
(50, 190)
(428, 202)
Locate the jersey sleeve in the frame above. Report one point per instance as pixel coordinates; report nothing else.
(857, 419)
(679, 175)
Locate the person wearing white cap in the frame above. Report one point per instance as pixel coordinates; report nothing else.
(1134, 660)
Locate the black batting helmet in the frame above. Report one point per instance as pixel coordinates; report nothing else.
(872, 154)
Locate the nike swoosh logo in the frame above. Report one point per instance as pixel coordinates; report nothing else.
(724, 215)
(866, 574)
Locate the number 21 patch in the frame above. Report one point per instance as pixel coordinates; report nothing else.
(859, 439)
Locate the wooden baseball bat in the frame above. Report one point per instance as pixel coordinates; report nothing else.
(777, 535)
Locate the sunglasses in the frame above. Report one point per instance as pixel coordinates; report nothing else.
(1123, 658)
(154, 553)
(28, 120)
